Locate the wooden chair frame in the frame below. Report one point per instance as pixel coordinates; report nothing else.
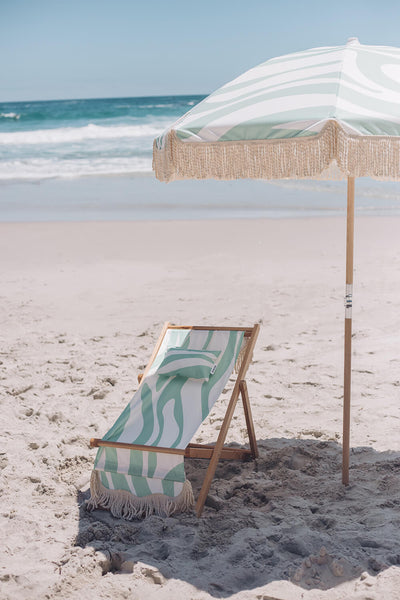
(217, 451)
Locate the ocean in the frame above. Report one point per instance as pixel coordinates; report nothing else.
(75, 138)
(91, 159)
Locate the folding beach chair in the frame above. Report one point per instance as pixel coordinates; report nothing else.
(139, 467)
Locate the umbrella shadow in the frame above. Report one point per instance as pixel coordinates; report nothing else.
(284, 516)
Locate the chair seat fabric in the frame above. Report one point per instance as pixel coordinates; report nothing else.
(166, 412)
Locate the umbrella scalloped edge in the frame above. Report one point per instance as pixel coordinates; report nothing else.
(331, 154)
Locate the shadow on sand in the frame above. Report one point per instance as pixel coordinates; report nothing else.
(285, 516)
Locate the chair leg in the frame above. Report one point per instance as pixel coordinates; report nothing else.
(249, 418)
(217, 451)
(227, 420)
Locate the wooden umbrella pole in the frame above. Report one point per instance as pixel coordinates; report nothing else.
(347, 330)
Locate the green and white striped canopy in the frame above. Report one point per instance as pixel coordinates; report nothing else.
(322, 113)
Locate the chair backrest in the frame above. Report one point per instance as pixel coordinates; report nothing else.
(166, 411)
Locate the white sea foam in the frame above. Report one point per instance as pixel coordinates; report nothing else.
(149, 106)
(10, 115)
(43, 168)
(64, 135)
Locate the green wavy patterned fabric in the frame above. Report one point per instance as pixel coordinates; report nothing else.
(294, 95)
(291, 97)
(194, 364)
(166, 411)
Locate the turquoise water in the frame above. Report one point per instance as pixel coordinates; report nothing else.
(75, 138)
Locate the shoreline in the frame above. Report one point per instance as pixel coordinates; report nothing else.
(201, 221)
(129, 198)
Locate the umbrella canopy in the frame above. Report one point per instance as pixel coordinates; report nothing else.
(331, 112)
(322, 113)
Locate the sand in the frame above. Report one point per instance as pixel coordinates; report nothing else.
(81, 306)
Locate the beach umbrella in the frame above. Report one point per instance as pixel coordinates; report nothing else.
(325, 113)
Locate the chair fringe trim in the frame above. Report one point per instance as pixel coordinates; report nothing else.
(331, 154)
(123, 504)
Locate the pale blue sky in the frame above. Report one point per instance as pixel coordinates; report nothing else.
(54, 49)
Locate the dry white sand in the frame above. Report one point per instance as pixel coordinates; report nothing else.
(81, 307)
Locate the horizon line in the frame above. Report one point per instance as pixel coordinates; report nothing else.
(101, 98)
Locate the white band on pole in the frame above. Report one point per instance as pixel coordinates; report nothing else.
(348, 301)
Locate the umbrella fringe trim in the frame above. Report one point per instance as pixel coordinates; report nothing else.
(123, 504)
(332, 154)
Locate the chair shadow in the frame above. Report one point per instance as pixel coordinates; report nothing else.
(284, 516)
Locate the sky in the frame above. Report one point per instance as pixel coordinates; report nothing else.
(61, 49)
